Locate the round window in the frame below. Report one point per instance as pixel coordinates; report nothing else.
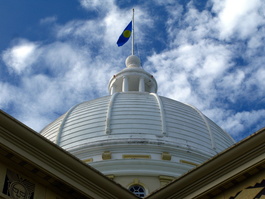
(138, 190)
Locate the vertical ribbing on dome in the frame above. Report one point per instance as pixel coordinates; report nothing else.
(107, 126)
(58, 137)
(162, 113)
(207, 125)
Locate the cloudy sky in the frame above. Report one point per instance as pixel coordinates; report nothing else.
(210, 54)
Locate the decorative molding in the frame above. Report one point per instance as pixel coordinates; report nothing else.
(165, 156)
(17, 185)
(141, 167)
(131, 156)
(106, 155)
(88, 160)
(188, 162)
(111, 177)
(109, 111)
(164, 180)
(60, 131)
(162, 114)
(136, 181)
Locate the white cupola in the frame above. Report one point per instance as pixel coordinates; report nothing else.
(132, 78)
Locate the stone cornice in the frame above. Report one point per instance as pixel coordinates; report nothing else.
(54, 161)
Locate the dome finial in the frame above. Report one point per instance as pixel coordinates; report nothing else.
(132, 61)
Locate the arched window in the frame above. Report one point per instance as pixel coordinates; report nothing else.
(138, 190)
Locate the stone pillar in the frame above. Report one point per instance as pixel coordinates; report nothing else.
(112, 90)
(125, 85)
(141, 85)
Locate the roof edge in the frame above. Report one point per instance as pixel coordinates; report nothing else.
(250, 149)
(49, 157)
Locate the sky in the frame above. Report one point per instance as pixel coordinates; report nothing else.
(210, 54)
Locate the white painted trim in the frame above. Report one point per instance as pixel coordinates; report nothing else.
(59, 134)
(207, 125)
(108, 116)
(162, 113)
(141, 84)
(125, 84)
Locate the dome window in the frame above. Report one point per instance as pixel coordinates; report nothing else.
(138, 190)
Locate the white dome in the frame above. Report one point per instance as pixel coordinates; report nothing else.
(135, 132)
(138, 123)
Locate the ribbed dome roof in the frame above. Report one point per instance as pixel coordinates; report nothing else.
(130, 116)
(135, 122)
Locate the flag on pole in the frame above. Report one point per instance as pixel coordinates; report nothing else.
(125, 35)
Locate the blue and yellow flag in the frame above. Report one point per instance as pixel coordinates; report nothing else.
(125, 35)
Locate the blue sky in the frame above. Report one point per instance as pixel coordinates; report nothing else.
(210, 54)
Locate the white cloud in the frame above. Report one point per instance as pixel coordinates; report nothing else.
(7, 92)
(97, 4)
(242, 17)
(89, 4)
(20, 57)
(239, 122)
(189, 73)
(233, 84)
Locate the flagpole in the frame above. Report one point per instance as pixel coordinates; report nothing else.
(133, 32)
